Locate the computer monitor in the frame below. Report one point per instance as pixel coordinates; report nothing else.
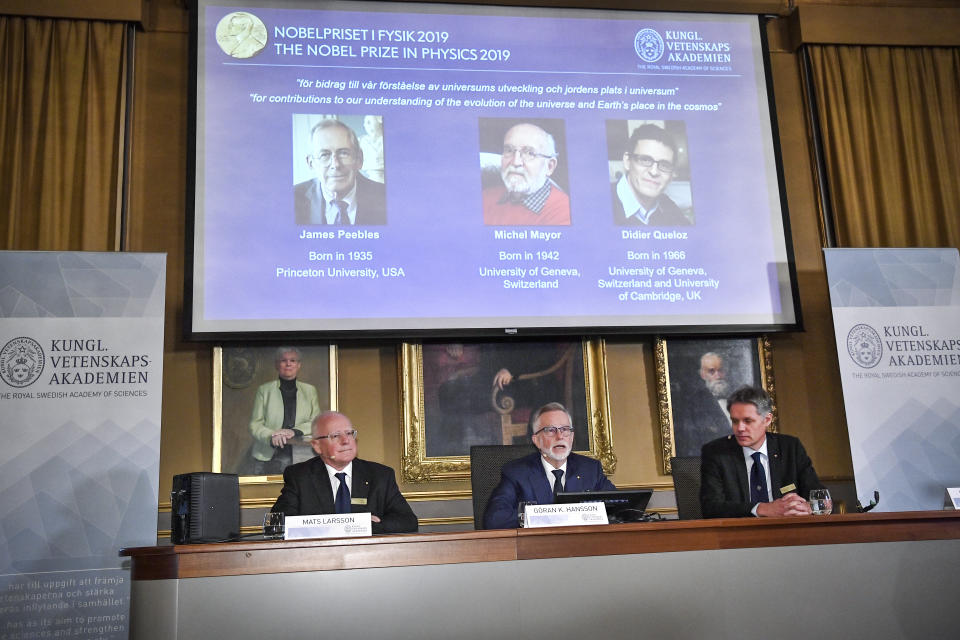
(627, 505)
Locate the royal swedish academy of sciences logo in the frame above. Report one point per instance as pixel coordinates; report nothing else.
(864, 345)
(648, 44)
(21, 362)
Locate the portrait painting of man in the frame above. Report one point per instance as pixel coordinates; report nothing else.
(701, 374)
(484, 393)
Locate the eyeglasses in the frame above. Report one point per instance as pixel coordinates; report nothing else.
(338, 435)
(344, 156)
(646, 162)
(526, 153)
(554, 430)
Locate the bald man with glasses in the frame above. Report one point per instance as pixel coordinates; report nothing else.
(649, 163)
(539, 476)
(337, 481)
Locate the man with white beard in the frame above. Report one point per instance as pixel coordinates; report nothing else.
(701, 414)
(527, 196)
(714, 376)
(539, 476)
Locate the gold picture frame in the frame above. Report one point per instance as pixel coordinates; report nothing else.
(237, 373)
(430, 457)
(683, 397)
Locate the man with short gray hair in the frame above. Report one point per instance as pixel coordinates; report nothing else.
(539, 476)
(752, 472)
(338, 194)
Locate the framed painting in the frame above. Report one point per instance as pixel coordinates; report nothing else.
(248, 405)
(694, 379)
(456, 395)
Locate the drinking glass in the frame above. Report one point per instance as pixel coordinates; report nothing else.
(820, 502)
(273, 526)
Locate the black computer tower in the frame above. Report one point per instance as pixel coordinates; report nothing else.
(204, 507)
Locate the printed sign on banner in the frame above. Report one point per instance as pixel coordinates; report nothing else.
(81, 368)
(896, 314)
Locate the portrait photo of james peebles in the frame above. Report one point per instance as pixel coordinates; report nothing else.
(334, 180)
(523, 172)
(649, 170)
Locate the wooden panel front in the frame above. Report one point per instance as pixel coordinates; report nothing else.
(241, 558)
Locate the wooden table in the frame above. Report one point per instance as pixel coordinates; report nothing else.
(853, 575)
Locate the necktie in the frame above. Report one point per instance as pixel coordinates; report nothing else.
(342, 503)
(342, 217)
(557, 485)
(758, 481)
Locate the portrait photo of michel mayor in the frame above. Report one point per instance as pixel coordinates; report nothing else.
(649, 170)
(523, 172)
(338, 170)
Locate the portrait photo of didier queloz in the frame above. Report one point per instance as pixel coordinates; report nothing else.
(336, 192)
(651, 163)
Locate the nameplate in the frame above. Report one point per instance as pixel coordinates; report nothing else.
(332, 525)
(952, 500)
(565, 515)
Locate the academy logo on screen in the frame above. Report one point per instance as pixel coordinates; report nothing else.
(21, 362)
(864, 346)
(682, 50)
(241, 34)
(648, 44)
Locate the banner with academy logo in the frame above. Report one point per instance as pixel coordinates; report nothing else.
(896, 315)
(81, 368)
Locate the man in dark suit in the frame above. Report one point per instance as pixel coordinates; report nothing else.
(336, 481)
(752, 472)
(539, 476)
(338, 194)
(648, 164)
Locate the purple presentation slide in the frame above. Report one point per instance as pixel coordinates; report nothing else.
(402, 168)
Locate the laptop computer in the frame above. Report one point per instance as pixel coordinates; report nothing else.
(624, 505)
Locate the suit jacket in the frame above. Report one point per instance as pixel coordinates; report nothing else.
(523, 480)
(668, 214)
(267, 415)
(724, 486)
(307, 490)
(371, 202)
